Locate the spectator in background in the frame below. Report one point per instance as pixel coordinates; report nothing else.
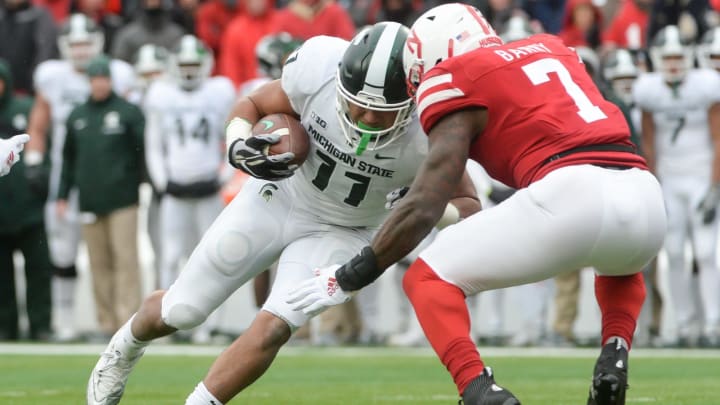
(308, 18)
(404, 12)
(109, 23)
(629, 27)
(668, 12)
(237, 47)
(681, 142)
(213, 17)
(103, 158)
(499, 12)
(59, 9)
(28, 36)
(183, 13)
(152, 25)
(581, 24)
(61, 85)
(548, 12)
(21, 229)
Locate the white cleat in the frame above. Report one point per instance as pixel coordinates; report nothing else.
(108, 378)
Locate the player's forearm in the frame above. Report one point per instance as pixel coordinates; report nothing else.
(38, 126)
(714, 124)
(411, 221)
(246, 109)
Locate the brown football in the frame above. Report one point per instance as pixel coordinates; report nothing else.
(293, 137)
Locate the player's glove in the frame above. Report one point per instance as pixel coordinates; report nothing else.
(393, 198)
(319, 293)
(10, 151)
(709, 204)
(250, 156)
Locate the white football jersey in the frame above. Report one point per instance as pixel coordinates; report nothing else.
(335, 184)
(65, 88)
(184, 130)
(682, 134)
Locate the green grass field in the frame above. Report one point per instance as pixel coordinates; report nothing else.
(365, 376)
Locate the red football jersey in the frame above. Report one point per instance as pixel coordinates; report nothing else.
(540, 102)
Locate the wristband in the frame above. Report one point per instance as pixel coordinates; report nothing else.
(32, 158)
(360, 271)
(237, 128)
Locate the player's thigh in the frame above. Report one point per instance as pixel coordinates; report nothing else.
(335, 245)
(549, 228)
(633, 223)
(245, 239)
(677, 204)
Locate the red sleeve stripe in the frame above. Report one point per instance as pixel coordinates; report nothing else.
(436, 89)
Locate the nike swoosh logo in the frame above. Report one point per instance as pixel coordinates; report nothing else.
(268, 124)
(379, 157)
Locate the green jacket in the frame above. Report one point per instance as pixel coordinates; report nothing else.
(625, 109)
(103, 155)
(20, 206)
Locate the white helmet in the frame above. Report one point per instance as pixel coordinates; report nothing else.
(671, 55)
(441, 32)
(151, 61)
(620, 71)
(190, 62)
(709, 50)
(517, 28)
(80, 40)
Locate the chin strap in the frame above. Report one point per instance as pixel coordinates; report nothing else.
(365, 139)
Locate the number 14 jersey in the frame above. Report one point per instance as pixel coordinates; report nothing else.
(540, 102)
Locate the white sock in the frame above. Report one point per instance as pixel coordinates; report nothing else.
(126, 343)
(201, 396)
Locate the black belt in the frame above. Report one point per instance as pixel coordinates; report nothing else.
(609, 147)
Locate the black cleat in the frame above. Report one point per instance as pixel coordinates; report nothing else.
(610, 376)
(483, 391)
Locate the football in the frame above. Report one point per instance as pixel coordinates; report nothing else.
(293, 137)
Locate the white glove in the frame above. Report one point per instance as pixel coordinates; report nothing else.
(10, 151)
(319, 293)
(709, 204)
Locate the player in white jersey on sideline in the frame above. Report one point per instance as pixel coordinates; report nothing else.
(185, 153)
(681, 142)
(61, 85)
(185, 149)
(365, 141)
